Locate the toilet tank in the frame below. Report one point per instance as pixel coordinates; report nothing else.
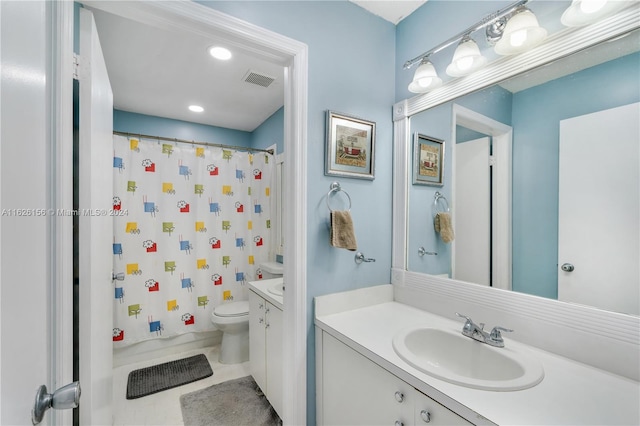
(271, 270)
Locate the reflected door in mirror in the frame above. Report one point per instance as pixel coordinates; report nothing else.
(599, 210)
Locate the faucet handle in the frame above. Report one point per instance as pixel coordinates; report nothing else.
(495, 338)
(469, 326)
(464, 316)
(495, 332)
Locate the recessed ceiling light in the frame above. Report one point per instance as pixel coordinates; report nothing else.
(196, 108)
(220, 53)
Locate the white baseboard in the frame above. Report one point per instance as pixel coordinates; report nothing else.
(161, 347)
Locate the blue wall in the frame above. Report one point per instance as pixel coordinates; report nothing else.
(351, 70)
(270, 132)
(124, 121)
(536, 116)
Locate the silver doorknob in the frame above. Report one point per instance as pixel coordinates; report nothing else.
(567, 267)
(399, 396)
(426, 416)
(66, 397)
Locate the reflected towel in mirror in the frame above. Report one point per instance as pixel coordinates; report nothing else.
(442, 223)
(342, 234)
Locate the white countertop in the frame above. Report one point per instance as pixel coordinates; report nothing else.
(261, 287)
(571, 393)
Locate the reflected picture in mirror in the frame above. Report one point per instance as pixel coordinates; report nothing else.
(543, 176)
(428, 160)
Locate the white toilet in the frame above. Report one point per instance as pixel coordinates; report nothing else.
(233, 320)
(271, 270)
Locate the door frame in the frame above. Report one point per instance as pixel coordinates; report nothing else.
(502, 136)
(293, 56)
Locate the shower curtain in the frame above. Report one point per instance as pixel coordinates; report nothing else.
(191, 226)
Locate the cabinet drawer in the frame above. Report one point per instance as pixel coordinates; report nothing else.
(430, 412)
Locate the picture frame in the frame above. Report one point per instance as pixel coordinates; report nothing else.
(428, 160)
(350, 146)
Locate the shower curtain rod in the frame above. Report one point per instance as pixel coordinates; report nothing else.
(218, 145)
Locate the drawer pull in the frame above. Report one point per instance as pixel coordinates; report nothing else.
(425, 415)
(399, 396)
(399, 423)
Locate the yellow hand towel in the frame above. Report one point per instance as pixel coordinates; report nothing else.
(443, 226)
(342, 234)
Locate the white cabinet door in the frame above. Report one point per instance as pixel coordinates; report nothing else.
(356, 391)
(428, 411)
(257, 342)
(274, 357)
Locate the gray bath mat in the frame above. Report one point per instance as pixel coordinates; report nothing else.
(156, 378)
(234, 403)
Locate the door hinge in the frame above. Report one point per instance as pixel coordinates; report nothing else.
(76, 66)
(492, 161)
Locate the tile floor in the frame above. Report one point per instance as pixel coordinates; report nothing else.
(163, 408)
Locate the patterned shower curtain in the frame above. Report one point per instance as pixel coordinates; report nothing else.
(192, 226)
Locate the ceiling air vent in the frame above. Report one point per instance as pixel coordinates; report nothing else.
(258, 78)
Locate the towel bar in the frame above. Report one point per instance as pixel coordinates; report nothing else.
(440, 200)
(335, 187)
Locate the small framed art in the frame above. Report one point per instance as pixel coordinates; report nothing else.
(428, 160)
(350, 146)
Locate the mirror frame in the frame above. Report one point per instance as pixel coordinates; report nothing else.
(559, 45)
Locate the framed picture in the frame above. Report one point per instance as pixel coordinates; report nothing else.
(428, 160)
(350, 146)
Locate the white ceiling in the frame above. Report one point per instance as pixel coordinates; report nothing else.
(161, 73)
(393, 11)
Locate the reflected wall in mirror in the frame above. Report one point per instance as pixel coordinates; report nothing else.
(548, 110)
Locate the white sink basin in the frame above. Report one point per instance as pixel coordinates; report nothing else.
(463, 361)
(277, 289)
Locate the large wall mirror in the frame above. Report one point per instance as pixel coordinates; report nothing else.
(541, 180)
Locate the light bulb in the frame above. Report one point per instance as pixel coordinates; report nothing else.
(592, 6)
(518, 38)
(465, 63)
(425, 82)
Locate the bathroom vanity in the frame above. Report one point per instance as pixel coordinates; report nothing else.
(363, 379)
(265, 338)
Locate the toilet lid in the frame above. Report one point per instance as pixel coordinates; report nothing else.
(233, 309)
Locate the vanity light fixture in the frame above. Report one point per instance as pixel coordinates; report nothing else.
(196, 108)
(466, 59)
(425, 78)
(219, 52)
(521, 33)
(584, 12)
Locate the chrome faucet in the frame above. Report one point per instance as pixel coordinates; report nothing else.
(476, 332)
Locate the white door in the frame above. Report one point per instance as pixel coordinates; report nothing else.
(26, 319)
(95, 229)
(472, 201)
(599, 209)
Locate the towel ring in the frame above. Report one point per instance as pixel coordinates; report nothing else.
(335, 187)
(439, 201)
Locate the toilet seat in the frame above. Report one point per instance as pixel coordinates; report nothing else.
(233, 309)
